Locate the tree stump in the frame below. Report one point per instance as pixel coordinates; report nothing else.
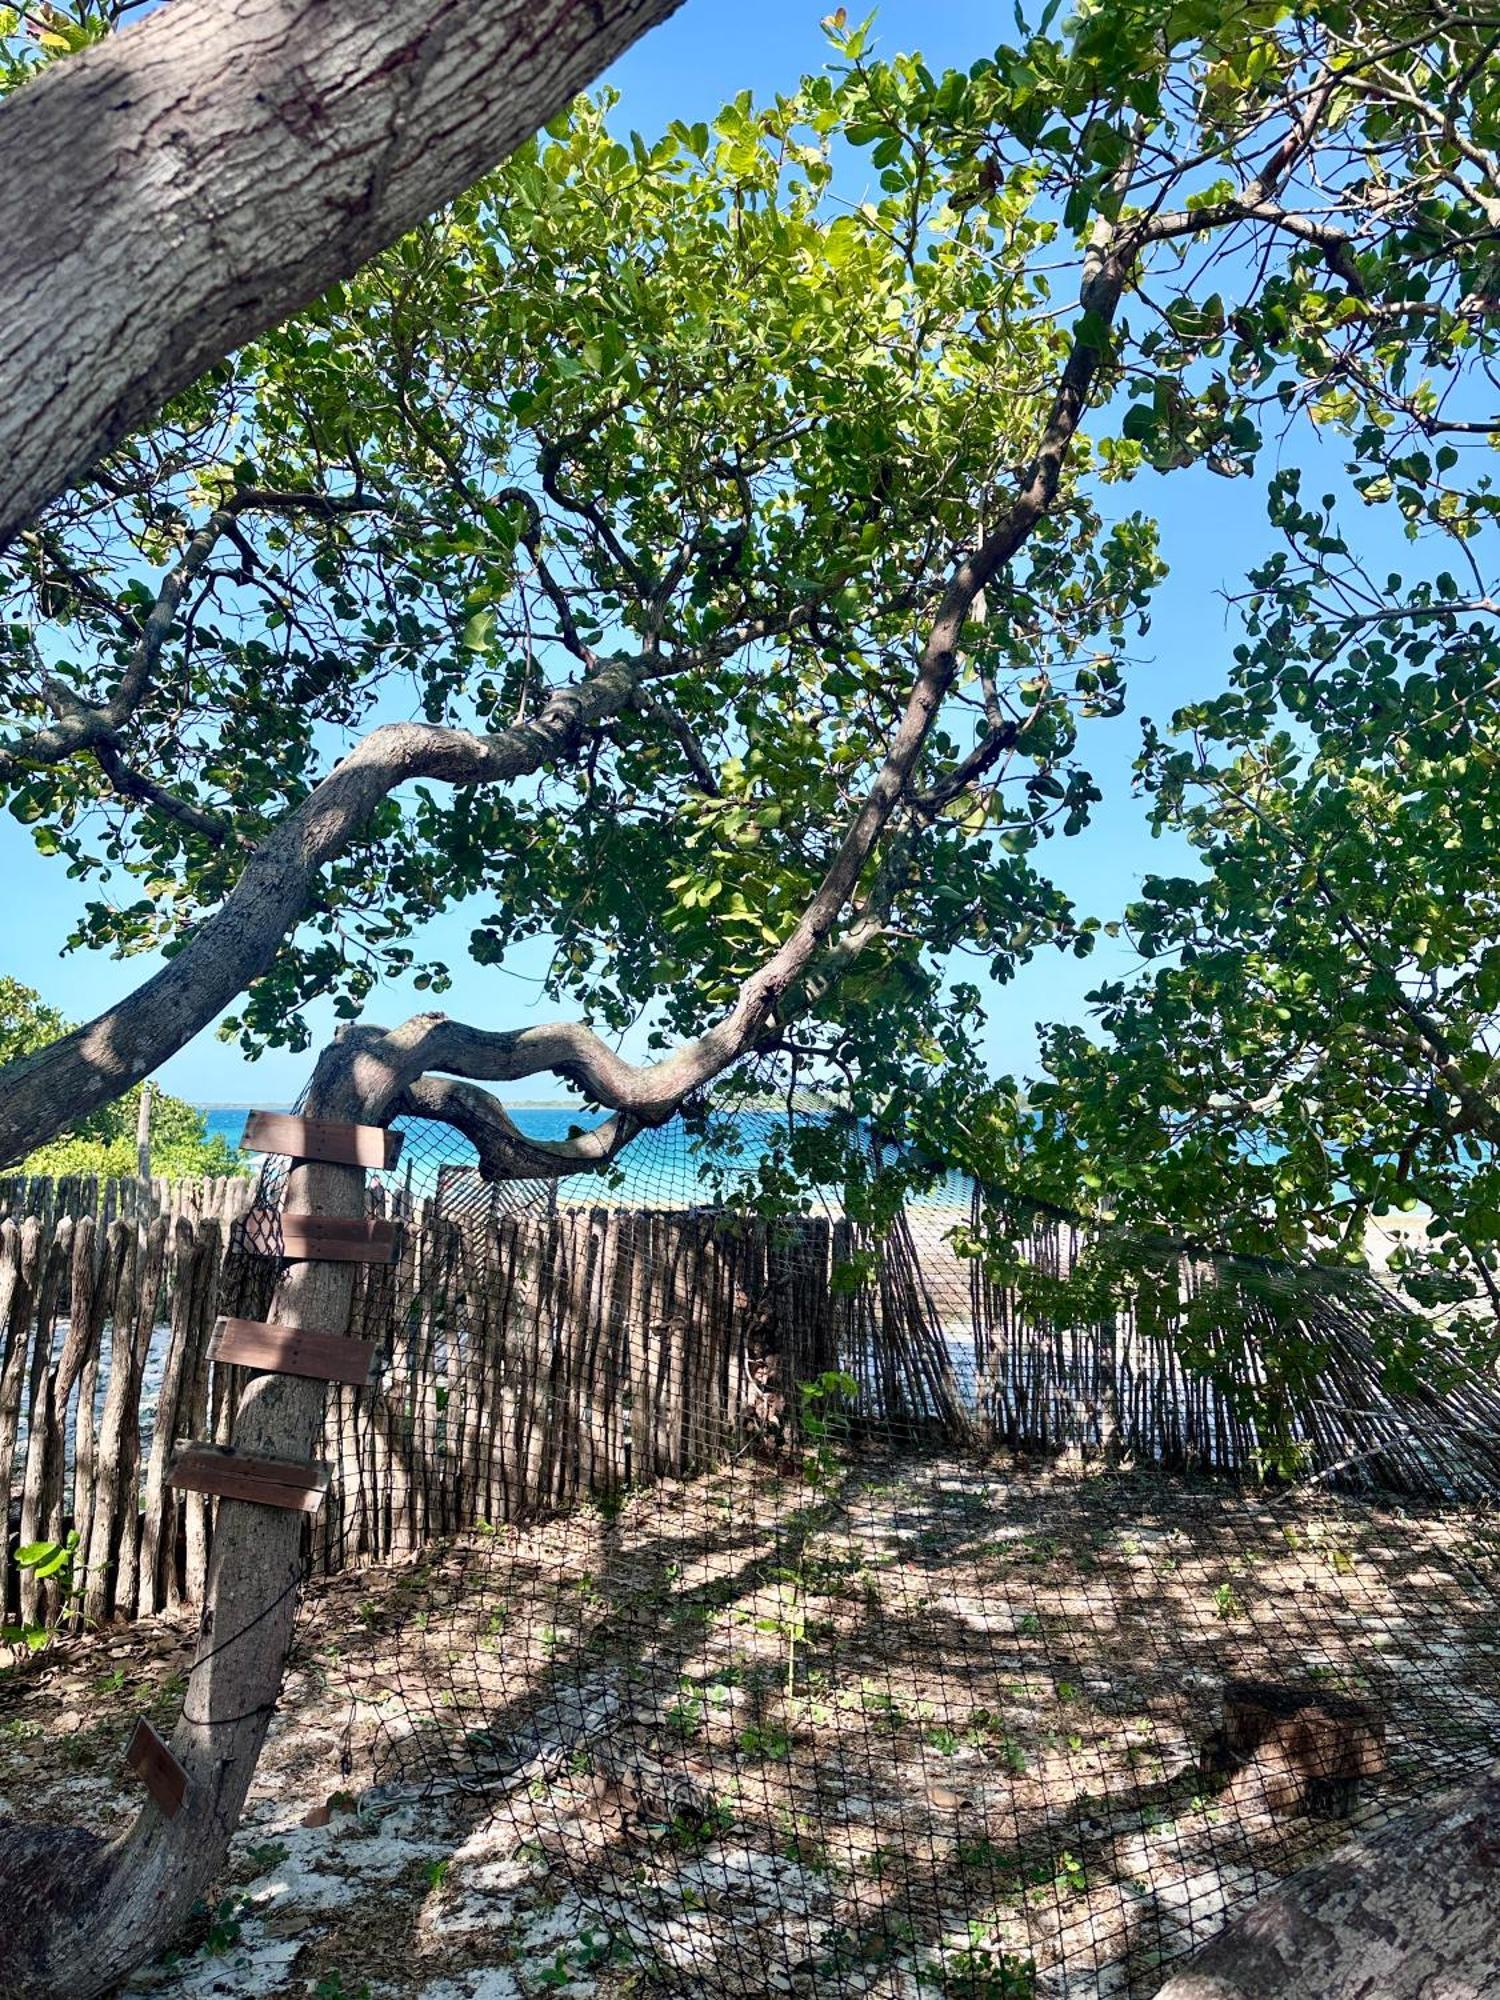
(1289, 1750)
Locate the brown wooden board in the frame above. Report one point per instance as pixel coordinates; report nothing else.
(321, 1139)
(152, 1761)
(336, 1239)
(237, 1475)
(291, 1350)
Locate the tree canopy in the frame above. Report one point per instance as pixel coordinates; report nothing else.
(106, 1142)
(1312, 1046)
(665, 553)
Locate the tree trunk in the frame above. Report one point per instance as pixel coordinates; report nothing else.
(1410, 1913)
(185, 184)
(83, 1912)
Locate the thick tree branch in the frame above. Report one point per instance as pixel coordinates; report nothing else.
(1256, 200)
(505, 1151)
(50, 1090)
(184, 185)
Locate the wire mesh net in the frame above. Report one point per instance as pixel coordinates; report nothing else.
(780, 1602)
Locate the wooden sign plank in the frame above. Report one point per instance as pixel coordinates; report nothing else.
(337, 1239)
(237, 1475)
(291, 1350)
(321, 1139)
(153, 1762)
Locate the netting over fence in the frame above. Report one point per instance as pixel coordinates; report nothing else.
(711, 1557)
(546, 1340)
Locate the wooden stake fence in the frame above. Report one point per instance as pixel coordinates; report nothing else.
(525, 1362)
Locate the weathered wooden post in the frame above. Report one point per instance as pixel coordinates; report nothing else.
(82, 1912)
(143, 1139)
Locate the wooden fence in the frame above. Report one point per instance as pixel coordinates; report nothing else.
(48, 1198)
(529, 1359)
(524, 1362)
(98, 1318)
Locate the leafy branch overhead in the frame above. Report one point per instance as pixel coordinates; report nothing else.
(694, 550)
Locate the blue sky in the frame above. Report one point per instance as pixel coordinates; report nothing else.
(1212, 529)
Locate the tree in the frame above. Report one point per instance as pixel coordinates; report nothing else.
(1313, 1041)
(106, 1142)
(176, 189)
(648, 468)
(735, 549)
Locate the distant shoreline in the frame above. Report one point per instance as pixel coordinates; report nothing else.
(511, 1104)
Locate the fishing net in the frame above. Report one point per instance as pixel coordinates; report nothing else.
(787, 1601)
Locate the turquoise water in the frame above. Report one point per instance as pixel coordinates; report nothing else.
(671, 1167)
(538, 1121)
(676, 1166)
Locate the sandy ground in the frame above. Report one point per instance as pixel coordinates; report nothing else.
(904, 1726)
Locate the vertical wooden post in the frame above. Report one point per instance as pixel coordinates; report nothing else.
(143, 1137)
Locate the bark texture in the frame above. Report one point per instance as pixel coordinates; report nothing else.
(84, 1912)
(1412, 1913)
(181, 187)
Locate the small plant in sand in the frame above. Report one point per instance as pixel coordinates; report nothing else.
(1228, 1602)
(268, 1855)
(685, 1716)
(332, 1987)
(823, 1424)
(48, 1562)
(982, 1970)
(223, 1923)
(766, 1740)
